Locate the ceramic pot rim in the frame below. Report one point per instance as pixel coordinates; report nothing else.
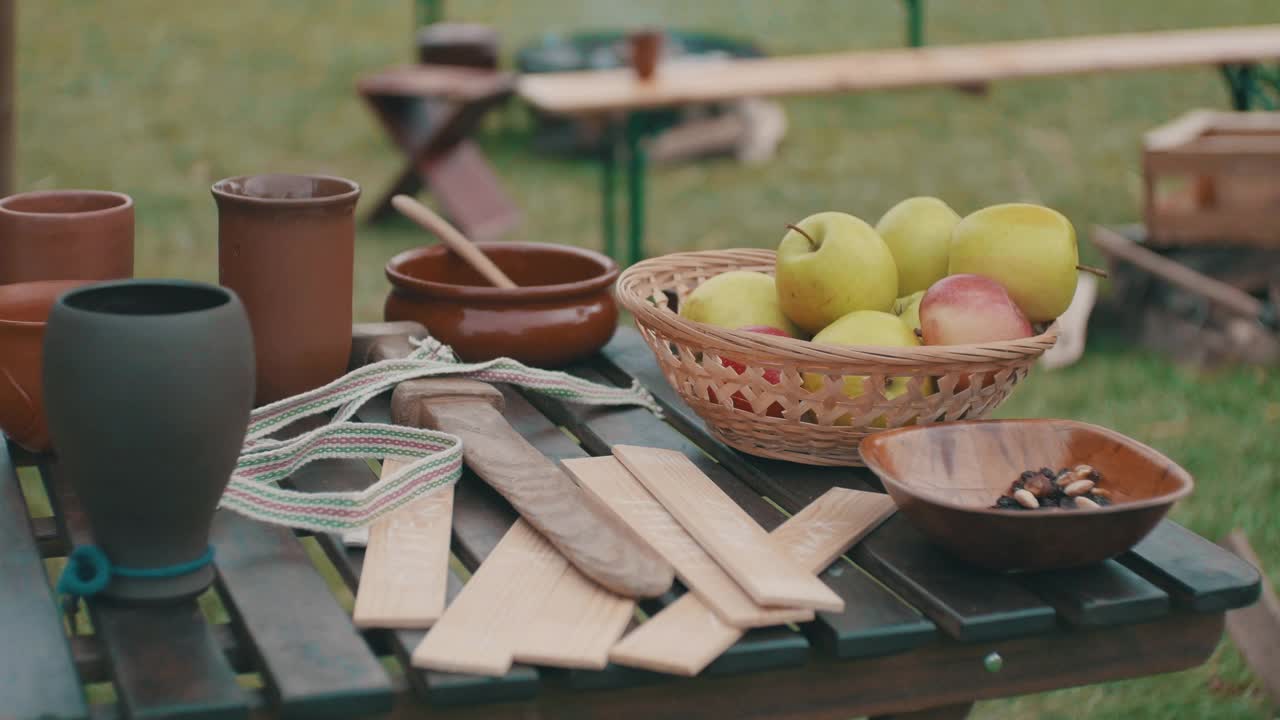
(229, 297)
(894, 484)
(609, 273)
(126, 203)
(350, 195)
(69, 286)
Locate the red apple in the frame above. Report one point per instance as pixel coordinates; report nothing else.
(773, 377)
(963, 309)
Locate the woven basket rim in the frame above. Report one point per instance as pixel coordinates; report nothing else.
(792, 350)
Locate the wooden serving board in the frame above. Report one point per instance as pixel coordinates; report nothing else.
(611, 484)
(406, 563)
(686, 636)
(725, 531)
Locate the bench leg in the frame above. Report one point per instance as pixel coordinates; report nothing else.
(946, 712)
(608, 187)
(636, 169)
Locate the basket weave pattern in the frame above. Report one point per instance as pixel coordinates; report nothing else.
(821, 424)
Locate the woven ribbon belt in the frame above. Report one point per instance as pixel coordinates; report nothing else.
(435, 458)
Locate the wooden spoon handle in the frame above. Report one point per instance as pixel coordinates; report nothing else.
(438, 226)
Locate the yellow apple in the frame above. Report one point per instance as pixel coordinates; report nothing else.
(907, 309)
(1029, 249)
(867, 327)
(831, 264)
(918, 233)
(737, 299)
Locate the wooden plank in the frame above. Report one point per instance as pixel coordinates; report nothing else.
(196, 680)
(575, 625)
(1255, 630)
(38, 677)
(589, 92)
(1197, 574)
(612, 485)
(686, 637)
(406, 563)
(1104, 594)
(317, 663)
(728, 534)
(477, 632)
(438, 687)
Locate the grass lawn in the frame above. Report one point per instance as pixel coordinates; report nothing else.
(160, 99)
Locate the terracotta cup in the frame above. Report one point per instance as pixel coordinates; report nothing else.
(24, 307)
(66, 235)
(148, 386)
(645, 49)
(286, 246)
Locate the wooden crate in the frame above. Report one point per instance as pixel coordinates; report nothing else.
(1213, 178)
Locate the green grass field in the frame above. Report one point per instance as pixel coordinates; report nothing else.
(160, 99)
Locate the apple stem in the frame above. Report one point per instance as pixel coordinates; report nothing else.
(812, 243)
(1092, 270)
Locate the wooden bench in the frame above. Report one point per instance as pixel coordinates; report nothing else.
(614, 95)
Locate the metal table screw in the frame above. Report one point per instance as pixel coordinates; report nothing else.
(993, 662)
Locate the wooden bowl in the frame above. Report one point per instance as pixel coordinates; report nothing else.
(946, 477)
(563, 310)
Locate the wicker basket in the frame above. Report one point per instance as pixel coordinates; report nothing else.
(784, 420)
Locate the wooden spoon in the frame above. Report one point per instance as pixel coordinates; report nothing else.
(431, 222)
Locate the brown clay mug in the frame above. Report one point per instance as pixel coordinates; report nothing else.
(66, 235)
(644, 50)
(24, 310)
(286, 246)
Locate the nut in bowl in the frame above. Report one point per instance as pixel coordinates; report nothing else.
(948, 479)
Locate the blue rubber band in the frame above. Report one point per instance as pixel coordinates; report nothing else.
(89, 571)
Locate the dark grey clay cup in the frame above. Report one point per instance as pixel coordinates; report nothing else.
(148, 389)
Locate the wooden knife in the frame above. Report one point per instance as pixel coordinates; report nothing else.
(590, 536)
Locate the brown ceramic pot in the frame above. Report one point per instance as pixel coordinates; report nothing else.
(24, 309)
(66, 235)
(286, 246)
(563, 310)
(644, 50)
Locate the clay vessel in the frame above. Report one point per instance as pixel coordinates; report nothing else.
(946, 476)
(24, 307)
(563, 310)
(148, 386)
(644, 49)
(66, 235)
(286, 246)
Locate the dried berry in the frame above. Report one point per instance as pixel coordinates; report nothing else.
(1039, 486)
(1027, 475)
(1048, 472)
(1004, 502)
(1067, 502)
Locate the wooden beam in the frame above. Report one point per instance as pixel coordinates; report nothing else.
(676, 83)
(8, 92)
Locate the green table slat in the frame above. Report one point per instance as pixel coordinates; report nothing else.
(1104, 594)
(1197, 574)
(877, 624)
(317, 663)
(37, 674)
(165, 661)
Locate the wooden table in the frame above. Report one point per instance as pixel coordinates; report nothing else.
(616, 97)
(945, 636)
